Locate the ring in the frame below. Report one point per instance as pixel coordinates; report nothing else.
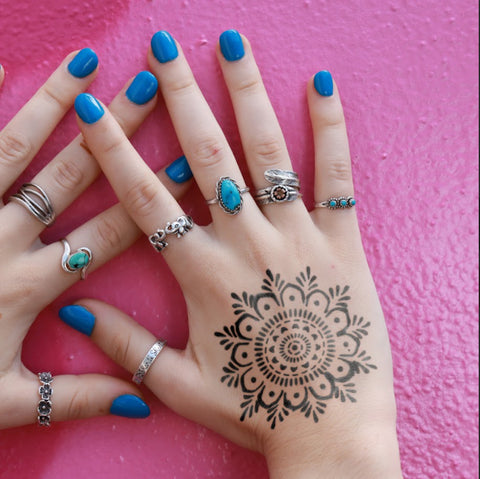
(180, 227)
(286, 187)
(335, 203)
(148, 360)
(228, 195)
(80, 260)
(36, 201)
(45, 404)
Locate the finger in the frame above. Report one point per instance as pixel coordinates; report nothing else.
(173, 377)
(23, 136)
(333, 173)
(74, 168)
(72, 397)
(260, 132)
(200, 136)
(106, 235)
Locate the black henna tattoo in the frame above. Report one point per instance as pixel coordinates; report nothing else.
(293, 347)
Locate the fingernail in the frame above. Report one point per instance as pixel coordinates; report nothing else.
(163, 47)
(78, 318)
(129, 405)
(323, 83)
(179, 171)
(143, 88)
(84, 63)
(88, 108)
(231, 45)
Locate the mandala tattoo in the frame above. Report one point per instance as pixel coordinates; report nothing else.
(293, 347)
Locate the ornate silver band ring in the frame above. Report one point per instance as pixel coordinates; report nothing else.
(34, 198)
(285, 187)
(45, 390)
(337, 203)
(228, 195)
(180, 227)
(78, 261)
(148, 360)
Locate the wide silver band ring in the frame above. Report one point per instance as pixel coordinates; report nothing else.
(44, 408)
(337, 203)
(228, 195)
(285, 187)
(148, 360)
(36, 201)
(77, 261)
(180, 227)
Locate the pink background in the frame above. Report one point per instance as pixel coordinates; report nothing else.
(408, 75)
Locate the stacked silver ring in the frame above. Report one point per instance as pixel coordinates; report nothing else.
(45, 390)
(180, 227)
(148, 360)
(286, 187)
(36, 201)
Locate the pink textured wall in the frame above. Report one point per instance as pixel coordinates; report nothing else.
(407, 71)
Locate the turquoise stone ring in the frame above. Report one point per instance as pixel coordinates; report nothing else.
(228, 195)
(78, 261)
(337, 203)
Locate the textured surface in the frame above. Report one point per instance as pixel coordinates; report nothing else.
(408, 75)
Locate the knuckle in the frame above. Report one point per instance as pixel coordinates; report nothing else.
(67, 175)
(121, 346)
(14, 148)
(108, 235)
(78, 404)
(332, 118)
(140, 198)
(267, 149)
(209, 152)
(249, 86)
(180, 86)
(56, 96)
(339, 169)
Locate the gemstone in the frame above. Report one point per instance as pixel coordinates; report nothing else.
(343, 203)
(352, 202)
(332, 203)
(229, 196)
(279, 193)
(78, 260)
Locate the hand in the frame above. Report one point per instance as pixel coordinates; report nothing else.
(31, 275)
(288, 352)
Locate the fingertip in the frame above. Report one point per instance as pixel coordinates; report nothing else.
(88, 108)
(83, 63)
(142, 88)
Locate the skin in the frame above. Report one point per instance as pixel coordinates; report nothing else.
(349, 439)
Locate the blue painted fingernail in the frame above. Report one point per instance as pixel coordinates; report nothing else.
(88, 108)
(129, 405)
(231, 45)
(78, 318)
(179, 171)
(323, 83)
(143, 88)
(163, 47)
(84, 63)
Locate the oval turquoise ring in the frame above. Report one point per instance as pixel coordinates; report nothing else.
(228, 195)
(78, 261)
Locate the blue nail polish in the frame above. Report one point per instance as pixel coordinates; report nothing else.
(323, 83)
(143, 88)
(129, 405)
(78, 318)
(88, 108)
(84, 63)
(179, 171)
(163, 47)
(231, 45)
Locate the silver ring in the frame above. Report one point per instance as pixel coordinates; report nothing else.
(228, 195)
(337, 203)
(78, 261)
(36, 201)
(180, 227)
(286, 187)
(44, 407)
(148, 360)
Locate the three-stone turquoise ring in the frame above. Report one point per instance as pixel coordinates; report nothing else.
(78, 261)
(228, 195)
(337, 203)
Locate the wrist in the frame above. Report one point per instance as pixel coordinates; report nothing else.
(370, 455)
